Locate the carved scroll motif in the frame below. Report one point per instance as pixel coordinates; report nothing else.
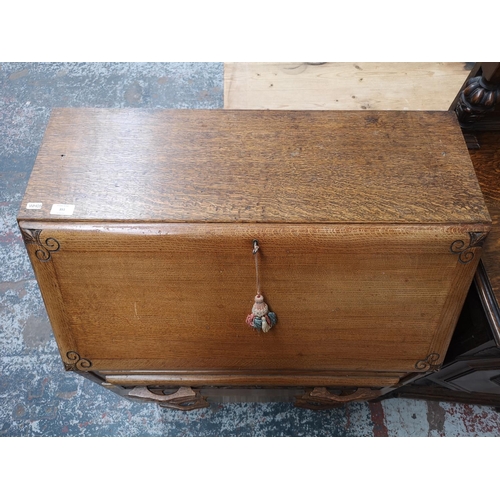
(45, 247)
(466, 252)
(429, 363)
(320, 398)
(185, 399)
(77, 363)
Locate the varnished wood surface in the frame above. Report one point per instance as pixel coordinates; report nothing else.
(175, 296)
(254, 166)
(353, 86)
(486, 162)
(280, 379)
(365, 223)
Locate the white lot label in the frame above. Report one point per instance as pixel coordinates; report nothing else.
(34, 206)
(58, 209)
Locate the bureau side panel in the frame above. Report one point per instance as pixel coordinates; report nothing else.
(176, 296)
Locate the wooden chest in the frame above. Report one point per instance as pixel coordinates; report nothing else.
(140, 225)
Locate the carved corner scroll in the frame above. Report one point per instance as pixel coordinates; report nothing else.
(466, 252)
(76, 363)
(185, 399)
(429, 363)
(45, 247)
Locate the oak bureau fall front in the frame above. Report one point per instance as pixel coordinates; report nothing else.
(318, 256)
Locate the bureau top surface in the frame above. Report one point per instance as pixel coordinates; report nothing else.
(254, 166)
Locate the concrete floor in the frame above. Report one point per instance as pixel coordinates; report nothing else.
(37, 397)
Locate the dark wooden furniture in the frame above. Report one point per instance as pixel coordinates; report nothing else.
(477, 103)
(140, 225)
(471, 369)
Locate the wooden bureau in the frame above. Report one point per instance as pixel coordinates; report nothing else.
(140, 225)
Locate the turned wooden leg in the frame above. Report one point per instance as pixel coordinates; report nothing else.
(479, 96)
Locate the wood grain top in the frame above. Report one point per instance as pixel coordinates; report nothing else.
(254, 166)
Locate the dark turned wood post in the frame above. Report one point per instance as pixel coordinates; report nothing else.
(479, 95)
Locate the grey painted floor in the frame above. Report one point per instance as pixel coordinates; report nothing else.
(37, 397)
